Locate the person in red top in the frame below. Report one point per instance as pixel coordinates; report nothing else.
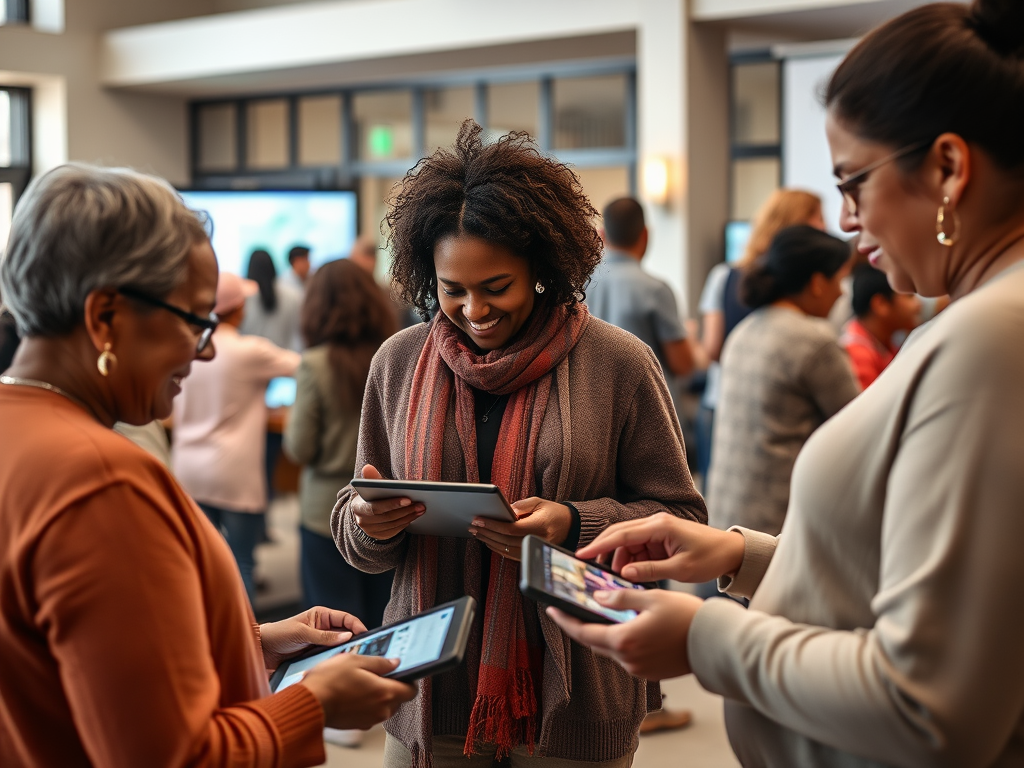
(879, 312)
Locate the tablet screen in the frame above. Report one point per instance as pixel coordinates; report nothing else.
(418, 641)
(577, 581)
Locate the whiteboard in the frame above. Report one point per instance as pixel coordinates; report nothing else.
(806, 162)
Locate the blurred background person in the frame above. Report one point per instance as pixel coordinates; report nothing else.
(623, 294)
(299, 267)
(722, 307)
(345, 319)
(783, 375)
(364, 253)
(879, 313)
(125, 634)
(273, 310)
(220, 426)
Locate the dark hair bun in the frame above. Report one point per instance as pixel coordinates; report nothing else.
(1000, 23)
(795, 255)
(758, 286)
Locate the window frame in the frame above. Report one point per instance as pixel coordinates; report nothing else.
(750, 151)
(19, 172)
(346, 173)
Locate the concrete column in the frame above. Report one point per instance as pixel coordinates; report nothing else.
(661, 63)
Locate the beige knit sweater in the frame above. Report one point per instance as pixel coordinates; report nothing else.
(611, 417)
(885, 626)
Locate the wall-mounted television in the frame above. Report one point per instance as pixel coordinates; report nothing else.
(737, 233)
(246, 220)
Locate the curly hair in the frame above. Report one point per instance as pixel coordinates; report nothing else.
(506, 193)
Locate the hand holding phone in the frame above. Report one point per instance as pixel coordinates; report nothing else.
(555, 576)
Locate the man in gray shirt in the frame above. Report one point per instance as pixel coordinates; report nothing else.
(622, 294)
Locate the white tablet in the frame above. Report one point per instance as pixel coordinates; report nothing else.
(451, 507)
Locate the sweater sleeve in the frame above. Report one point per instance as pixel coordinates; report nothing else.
(651, 472)
(130, 637)
(361, 551)
(302, 433)
(938, 680)
(758, 550)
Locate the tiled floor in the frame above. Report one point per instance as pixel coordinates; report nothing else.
(702, 745)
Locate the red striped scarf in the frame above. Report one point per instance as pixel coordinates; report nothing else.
(505, 708)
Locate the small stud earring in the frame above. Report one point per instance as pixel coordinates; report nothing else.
(539, 287)
(106, 359)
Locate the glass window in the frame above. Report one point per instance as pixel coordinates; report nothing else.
(590, 112)
(603, 185)
(753, 179)
(383, 125)
(445, 110)
(218, 138)
(320, 130)
(5, 125)
(6, 211)
(513, 107)
(267, 134)
(755, 93)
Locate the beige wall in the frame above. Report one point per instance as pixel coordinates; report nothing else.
(103, 126)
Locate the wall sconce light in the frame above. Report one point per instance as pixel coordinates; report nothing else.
(655, 180)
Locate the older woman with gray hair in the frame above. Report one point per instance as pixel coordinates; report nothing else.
(125, 633)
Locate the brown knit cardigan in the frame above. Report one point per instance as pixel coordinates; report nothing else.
(611, 417)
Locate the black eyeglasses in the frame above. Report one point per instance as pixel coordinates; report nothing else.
(208, 324)
(849, 187)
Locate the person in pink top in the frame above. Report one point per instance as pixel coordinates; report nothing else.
(220, 423)
(879, 313)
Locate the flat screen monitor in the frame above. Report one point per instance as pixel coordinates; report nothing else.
(737, 233)
(276, 221)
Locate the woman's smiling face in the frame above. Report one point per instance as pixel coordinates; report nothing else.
(484, 288)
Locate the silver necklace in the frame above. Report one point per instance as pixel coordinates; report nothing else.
(488, 411)
(18, 381)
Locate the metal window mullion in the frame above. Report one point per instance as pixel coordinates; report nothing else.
(21, 127)
(293, 132)
(419, 123)
(242, 135)
(480, 104)
(630, 116)
(546, 115)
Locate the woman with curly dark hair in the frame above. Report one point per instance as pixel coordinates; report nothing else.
(512, 382)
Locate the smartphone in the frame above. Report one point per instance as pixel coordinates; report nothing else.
(425, 644)
(555, 576)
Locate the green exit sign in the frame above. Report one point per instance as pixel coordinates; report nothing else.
(381, 141)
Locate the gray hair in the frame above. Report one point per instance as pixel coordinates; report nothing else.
(79, 228)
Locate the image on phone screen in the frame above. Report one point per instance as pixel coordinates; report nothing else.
(416, 642)
(577, 581)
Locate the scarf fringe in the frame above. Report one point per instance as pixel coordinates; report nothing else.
(505, 721)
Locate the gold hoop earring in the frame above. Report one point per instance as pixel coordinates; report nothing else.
(940, 226)
(106, 360)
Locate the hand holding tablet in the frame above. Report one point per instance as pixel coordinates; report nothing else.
(388, 507)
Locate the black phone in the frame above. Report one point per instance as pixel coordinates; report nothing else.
(557, 577)
(426, 644)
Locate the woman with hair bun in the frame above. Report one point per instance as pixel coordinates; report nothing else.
(883, 627)
(783, 375)
(722, 308)
(514, 383)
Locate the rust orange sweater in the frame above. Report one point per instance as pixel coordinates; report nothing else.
(125, 635)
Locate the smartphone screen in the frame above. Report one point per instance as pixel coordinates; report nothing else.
(418, 641)
(577, 581)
